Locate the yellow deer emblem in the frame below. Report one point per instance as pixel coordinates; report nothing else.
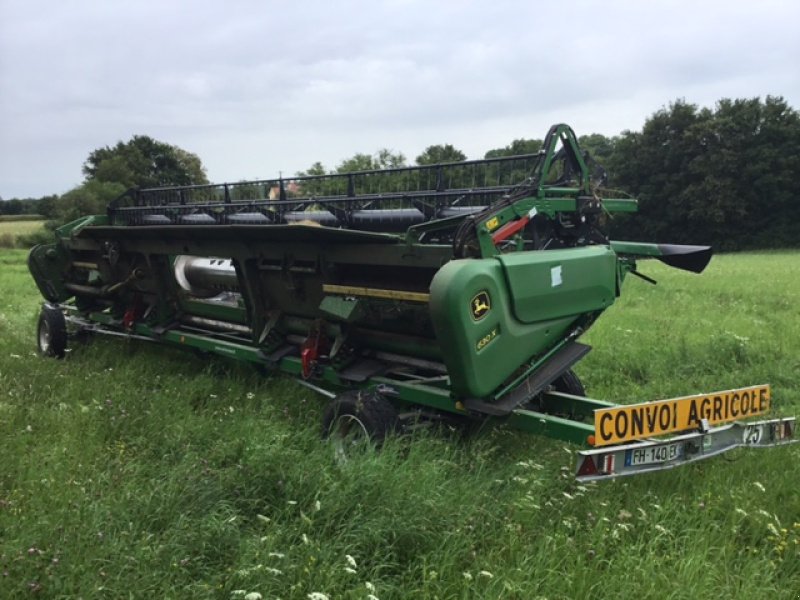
(480, 305)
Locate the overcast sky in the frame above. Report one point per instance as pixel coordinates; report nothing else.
(259, 87)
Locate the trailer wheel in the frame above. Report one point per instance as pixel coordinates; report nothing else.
(569, 383)
(51, 332)
(356, 420)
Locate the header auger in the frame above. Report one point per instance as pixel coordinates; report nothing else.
(451, 292)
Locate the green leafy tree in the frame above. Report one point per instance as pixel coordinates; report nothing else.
(440, 153)
(144, 162)
(515, 148)
(726, 177)
(11, 207)
(599, 147)
(382, 159)
(89, 198)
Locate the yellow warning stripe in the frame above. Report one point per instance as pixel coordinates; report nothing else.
(349, 290)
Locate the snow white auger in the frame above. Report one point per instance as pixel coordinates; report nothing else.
(445, 292)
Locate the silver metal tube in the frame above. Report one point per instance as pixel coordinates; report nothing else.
(205, 277)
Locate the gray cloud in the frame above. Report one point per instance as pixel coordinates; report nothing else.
(258, 87)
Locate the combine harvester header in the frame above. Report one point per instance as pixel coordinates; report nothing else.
(453, 292)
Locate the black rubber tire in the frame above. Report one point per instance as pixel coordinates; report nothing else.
(359, 417)
(51, 332)
(569, 383)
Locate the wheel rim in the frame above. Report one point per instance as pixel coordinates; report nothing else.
(349, 437)
(44, 337)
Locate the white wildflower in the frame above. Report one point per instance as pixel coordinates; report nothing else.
(317, 596)
(305, 539)
(317, 505)
(273, 571)
(276, 555)
(263, 519)
(350, 561)
(467, 575)
(250, 395)
(741, 511)
(485, 574)
(568, 496)
(350, 570)
(372, 597)
(760, 486)
(238, 592)
(370, 587)
(291, 502)
(253, 596)
(662, 529)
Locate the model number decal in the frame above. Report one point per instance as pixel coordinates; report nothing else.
(485, 340)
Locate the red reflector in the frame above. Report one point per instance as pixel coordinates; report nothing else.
(588, 467)
(128, 318)
(307, 357)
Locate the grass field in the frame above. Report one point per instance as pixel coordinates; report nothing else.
(130, 470)
(11, 229)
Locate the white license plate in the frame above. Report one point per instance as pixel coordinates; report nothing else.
(649, 455)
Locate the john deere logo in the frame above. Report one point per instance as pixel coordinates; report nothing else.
(480, 306)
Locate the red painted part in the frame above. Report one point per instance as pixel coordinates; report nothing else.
(509, 229)
(133, 313)
(129, 318)
(308, 357)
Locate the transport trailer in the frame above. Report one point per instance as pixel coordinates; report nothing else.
(454, 292)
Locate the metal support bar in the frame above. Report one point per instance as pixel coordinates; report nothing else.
(649, 456)
(551, 426)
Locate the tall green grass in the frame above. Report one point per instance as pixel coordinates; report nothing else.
(132, 470)
(15, 231)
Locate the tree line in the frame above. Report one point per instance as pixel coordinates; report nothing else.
(727, 176)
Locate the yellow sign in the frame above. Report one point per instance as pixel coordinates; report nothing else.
(649, 419)
(492, 224)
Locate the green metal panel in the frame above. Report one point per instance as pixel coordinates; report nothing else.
(483, 347)
(559, 283)
(47, 263)
(341, 309)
